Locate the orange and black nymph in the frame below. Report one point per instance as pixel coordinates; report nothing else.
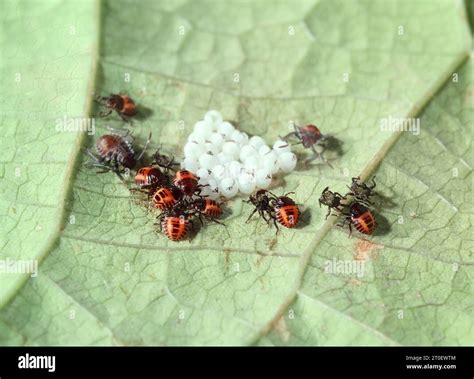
(122, 104)
(149, 177)
(175, 227)
(362, 218)
(165, 198)
(207, 207)
(186, 181)
(279, 209)
(287, 212)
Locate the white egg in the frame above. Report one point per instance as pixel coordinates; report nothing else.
(205, 191)
(270, 162)
(246, 152)
(193, 150)
(212, 184)
(264, 178)
(281, 147)
(202, 173)
(287, 162)
(228, 187)
(216, 139)
(246, 183)
(203, 128)
(196, 138)
(264, 149)
(218, 172)
(224, 158)
(231, 149)
(256, 142)
(239, 137)
(214, 189)
(191, 136)
(226, 129)
(190, 164)
(209, 147)
(234, 169)
(251, 163)
(213, 117)
(246, 137)
(203, 182)
(208, 161)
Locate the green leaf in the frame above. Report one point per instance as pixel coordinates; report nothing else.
(107, 277)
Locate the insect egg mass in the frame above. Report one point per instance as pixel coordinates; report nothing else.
(228, 162)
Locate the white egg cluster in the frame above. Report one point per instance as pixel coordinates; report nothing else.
(228, 162)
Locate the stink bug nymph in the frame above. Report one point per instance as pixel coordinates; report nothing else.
(175, 224)
(262, 203)
(122, 104)
(164, 161)
(309, 136)
(186, 181)
(280, 209)
(362, 219)
(207, 207)
(333, 200)
(165, 198)
(115, 153)
(148, 177)
(361, 191)
(287, 212)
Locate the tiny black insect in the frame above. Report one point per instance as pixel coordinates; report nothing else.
(164, 161)
(361, 191)
(333, 200)
(262, 203)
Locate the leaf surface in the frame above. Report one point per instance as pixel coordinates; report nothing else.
(106, 276)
